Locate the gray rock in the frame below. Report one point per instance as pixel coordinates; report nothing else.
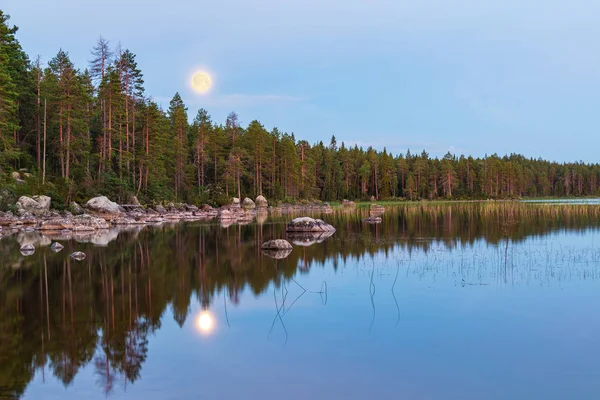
(160, 209)
(76, 209)
(56, 247)
(135, 201)
(307, 224)
(103, 205)
(248, 204)
(15, 175)
(78, 256)
(261, 202)
(36, 205)
(235, 202)
(277, 244)
(348, 203)
(27, 250)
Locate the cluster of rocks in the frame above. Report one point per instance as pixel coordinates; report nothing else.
(303, 231)
(99, 220)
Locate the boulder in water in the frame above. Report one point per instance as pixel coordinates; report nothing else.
(307, 224)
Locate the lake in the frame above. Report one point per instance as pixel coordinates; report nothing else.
(446, 301)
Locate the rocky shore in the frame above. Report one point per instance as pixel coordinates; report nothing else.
(34, 214)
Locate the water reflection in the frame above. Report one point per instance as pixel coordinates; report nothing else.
(205, 322)
(59, 317)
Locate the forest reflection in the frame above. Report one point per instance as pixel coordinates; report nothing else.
(59, 315)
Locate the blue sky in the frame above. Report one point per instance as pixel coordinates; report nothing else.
(469, 76)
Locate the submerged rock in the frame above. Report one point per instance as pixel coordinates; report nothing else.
(307, 224)
(277, 244)
(27, 249)
(78, 256)
(56, 247)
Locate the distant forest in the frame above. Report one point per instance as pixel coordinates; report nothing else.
(73, 133)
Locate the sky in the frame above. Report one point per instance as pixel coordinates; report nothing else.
(467, 76)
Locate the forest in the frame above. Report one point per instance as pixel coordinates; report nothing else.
(73, 132)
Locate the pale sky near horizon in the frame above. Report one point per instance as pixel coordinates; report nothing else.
(467, 76)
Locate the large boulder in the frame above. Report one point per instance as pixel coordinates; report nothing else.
(103, 205)
(261, 202)
(248, 204)
(307, 224)
(277, 244)
(36, 205)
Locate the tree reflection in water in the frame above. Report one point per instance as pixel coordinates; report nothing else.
(61, 315)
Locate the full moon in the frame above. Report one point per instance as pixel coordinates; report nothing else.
(201, 82)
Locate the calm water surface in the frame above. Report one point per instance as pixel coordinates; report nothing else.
(440, 302)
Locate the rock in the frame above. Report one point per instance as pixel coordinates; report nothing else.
(78, 256)
(248, 204)
(376, 209)
(307, 224)
(56, 247)
(15, 175)
(76, 209)
(56, 225)
(103, 205)
(135, 201)
(27, 249)
(235, 202)
(277, 244)
(373, 220)
(205, 207)
(90, 221)
(226, 215)
(261, 202)
(160, 209)
(348, 203)
(277, 254)
(36, 205)
(372, 198)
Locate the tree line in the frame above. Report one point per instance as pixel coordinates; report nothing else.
(85, 131)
